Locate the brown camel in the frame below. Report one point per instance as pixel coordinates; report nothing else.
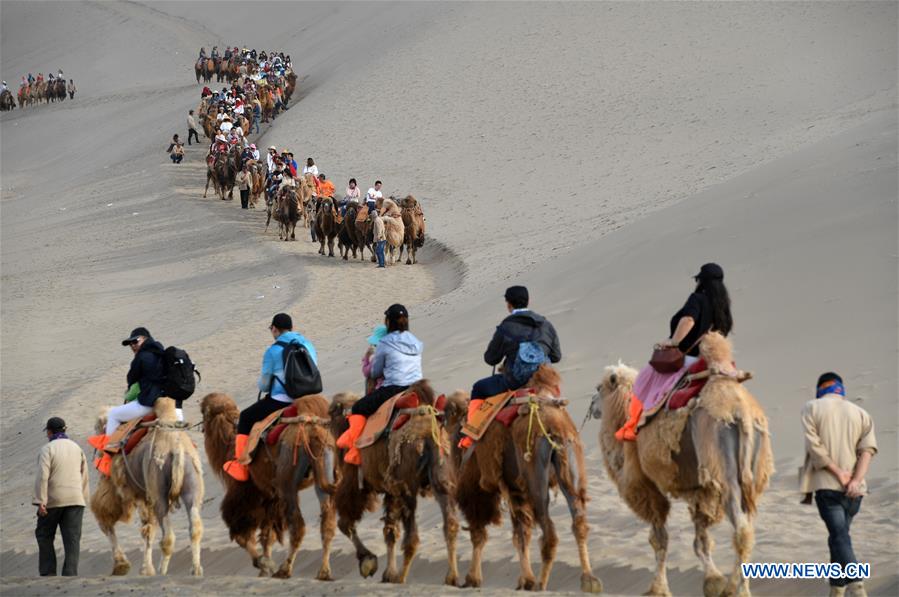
(162, 472)
(349, 237)
(326, 224)
(414, 225)
(257, 175)
(411, 462)
(286, 213)
(715, 454)
(541, 450)
(303, 457)
(23, 96)
(305, 189)
(7, 102)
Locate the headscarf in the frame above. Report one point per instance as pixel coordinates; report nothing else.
(831, 386)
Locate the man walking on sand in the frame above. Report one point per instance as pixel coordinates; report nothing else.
(839, 445)
(192, 128)
(378, 236)
(61, 490)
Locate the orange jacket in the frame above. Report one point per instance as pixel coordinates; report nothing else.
(326, 188)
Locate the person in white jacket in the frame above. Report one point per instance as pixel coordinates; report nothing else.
(398, 360)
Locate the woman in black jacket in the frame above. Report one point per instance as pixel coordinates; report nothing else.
(707, 309)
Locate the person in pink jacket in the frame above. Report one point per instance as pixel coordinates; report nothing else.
(372, 384)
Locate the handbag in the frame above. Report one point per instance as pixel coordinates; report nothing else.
(669, 359)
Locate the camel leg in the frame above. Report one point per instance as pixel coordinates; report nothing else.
(121, 566)
(450, 532)
(478, 535)
(522, 519)
(148, 532)
(192, 499)
(368, 562)
(291, 502)
(538, 485)
(167, 543)
(206, 190)
(321, 247)
(392, 516)
(574, 492)
(703, 544)
(328, 524)
(265, 563)
(410, 535)
(331, 247)
(744, 535)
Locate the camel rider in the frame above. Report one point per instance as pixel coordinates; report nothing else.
(398, 360)
(522, 325)
(148, 372)
(352, 195)
(5, 88)
(202, 54)
(215, 52)
(59, 74)
(706, 309)
(372, 196)
(276, 396)
(325, 186)
(24, 82)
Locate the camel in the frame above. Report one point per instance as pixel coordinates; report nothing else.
(395, 232)
(257, 187)
(286, 213)
(414, 224)
(715, 454)
(223, 171)
(22, 96)
(291, 80)
(267, 102)
(412, 461)
(326, 224)
(541, 450)
(349, 237)
(305, 189)
(364, 233)
(303, 457)
(7, 102)
(162, 472)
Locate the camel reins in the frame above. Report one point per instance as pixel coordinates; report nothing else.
(533, 405)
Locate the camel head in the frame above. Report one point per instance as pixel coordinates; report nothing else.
(717, 352)
(616, 384)
(456, 408)
(218, 404)
(340, 405)
(165, 410)
(409, 202)
(100, 424)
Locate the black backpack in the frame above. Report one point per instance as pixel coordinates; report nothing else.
(179, 374)
(301, 376)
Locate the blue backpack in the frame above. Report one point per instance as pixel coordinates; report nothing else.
(528, 359)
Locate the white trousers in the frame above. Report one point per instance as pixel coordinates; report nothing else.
(124, 413)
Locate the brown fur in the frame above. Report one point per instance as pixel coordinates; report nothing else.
(161, 473)
(414, 226)
(685, 454)
(407, 465)
(326, 224)
(274, 505)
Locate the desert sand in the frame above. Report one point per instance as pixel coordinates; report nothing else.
(597, 152)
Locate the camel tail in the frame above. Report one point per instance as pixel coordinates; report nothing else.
(177, 474)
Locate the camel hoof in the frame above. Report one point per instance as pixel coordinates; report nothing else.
(408, 262)
(121, 568)
(527, 584)
(368, 565)
(198, 571)
(282, 573)
(451, 580)
(713, 586)
(590, 584)
(391, 577)
(471, 582)
(266, 566)
(147, 571)
(324, 575)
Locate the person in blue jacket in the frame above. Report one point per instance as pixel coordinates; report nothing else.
(269, 383)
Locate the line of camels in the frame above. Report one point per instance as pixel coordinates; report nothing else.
(35, 93)
(715, 454)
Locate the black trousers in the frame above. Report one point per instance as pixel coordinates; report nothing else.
(68, 519)
(837, 511)
(244, 198)
(192, 133)
(256, 412)
(367, 405)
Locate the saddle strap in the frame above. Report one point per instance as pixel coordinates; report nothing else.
(559, 402)
(305, 419)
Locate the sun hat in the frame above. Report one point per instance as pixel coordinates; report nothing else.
(379, 332)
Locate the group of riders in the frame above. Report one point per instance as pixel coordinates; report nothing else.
(522, 342)
(35, 89)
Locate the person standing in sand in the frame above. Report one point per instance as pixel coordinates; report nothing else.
(379, 236)
(61, 489)
(243, 185)
(839, 446)
(192, 128)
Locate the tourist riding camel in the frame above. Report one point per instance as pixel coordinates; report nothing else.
(148, 372)
(522, 332)
(398, 359)
(272, 382)
(372, 196)
(707, 309)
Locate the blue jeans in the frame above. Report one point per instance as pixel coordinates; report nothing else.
(371, 206)
(379, 251)
(254, 125)
(490, 386)
(837, 510)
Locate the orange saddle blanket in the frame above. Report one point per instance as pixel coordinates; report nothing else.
(376, 424)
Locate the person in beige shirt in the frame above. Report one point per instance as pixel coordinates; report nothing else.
(839, 446)
(61, 490)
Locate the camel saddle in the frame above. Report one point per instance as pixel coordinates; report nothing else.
(688, 387)
(259, 431)
(505, 408)
(128, 434)
(393, 415)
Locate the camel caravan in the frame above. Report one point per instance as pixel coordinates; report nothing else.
(259, 87)
(37, 90)
(706, 442)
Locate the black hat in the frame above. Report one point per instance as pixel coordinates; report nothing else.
(135, 334)
(55, 424)
(710, 271)
(517, 295)
(396, 311)
(282, 321)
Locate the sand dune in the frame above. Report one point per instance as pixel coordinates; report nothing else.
(598, 153)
